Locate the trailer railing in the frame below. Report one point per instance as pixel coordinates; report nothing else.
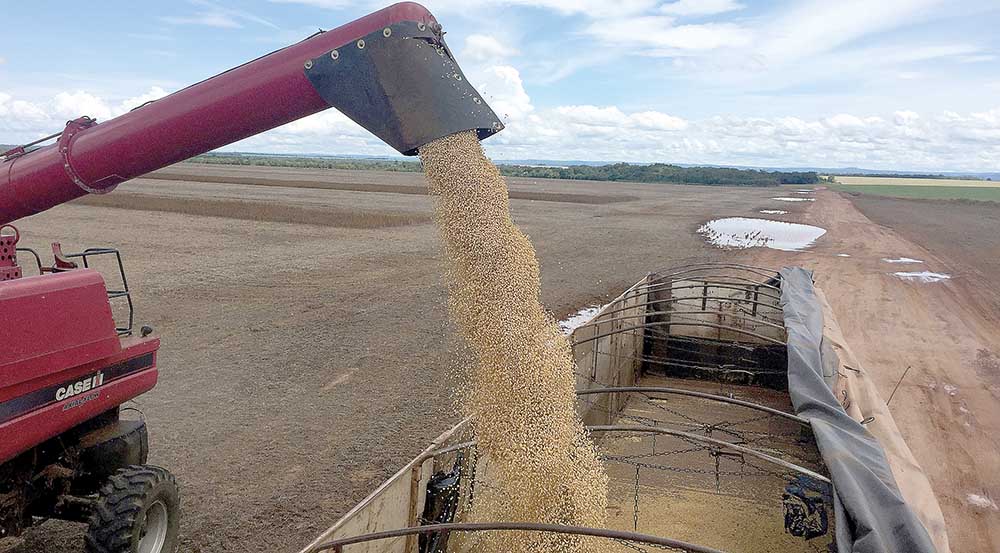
(622, 536)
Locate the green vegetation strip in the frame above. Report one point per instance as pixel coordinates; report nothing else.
(623, 172)
(980, 193)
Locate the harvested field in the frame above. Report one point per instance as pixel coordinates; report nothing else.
(302, 364)
(965, 234)
(175, 175)
(256, 211)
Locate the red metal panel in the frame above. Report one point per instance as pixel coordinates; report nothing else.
(132, 347)
(29, 430)
(53, 322)
(242, 102)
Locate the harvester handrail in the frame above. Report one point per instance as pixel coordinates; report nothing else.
(338, 545)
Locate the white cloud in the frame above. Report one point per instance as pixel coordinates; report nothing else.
(905, 117)
(591, 8)
(207, 19)
(326, 4)
(70, 105)
(922, 52)
(819, 26)
(656, 35)
(23, 120)
(597, 116)
(154, 93)
(502, 88)
(700, 7)
(980, 58)
(900, 139)
(614, 118)
(20, 113)
(655, 120)
(215, 15)
(485, 48)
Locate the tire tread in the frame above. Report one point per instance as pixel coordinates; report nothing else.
(121, 500)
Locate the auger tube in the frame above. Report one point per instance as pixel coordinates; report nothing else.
(390, 71)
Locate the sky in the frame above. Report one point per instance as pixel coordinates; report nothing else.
(880, 84)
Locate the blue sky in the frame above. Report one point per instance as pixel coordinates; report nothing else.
(891, 84)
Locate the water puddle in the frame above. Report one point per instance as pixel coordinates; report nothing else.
(901, 260)
(578, 319)
(744, 232)
(773, 212)
(787, 199)
(804, 191)
(843, 255)
(981, 501)
(922, 276)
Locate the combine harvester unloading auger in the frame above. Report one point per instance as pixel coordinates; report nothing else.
(66, 365)
(712, 390)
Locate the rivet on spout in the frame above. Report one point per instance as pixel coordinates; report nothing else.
(361, 44)
(386, 32)
(334, 54)
(309, 64)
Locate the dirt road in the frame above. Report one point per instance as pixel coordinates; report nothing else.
(948, 405)
(302, 364)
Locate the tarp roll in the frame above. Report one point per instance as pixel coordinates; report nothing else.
(871, 515)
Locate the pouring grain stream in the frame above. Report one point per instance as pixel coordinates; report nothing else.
(520, 391)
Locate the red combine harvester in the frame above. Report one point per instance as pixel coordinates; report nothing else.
(66, 366)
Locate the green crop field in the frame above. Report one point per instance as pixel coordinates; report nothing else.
(922, 188)
(981, 193)
(862, 180)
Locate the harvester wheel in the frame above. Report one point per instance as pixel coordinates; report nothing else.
(137, 511)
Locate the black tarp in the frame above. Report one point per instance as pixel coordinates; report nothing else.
(871, 515)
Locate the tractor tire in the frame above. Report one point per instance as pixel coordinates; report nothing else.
(137, 511)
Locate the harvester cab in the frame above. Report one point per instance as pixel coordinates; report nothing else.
(66, 365)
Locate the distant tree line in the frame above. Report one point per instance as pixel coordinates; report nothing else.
(309, 162)
(618, 172)
(665, 173)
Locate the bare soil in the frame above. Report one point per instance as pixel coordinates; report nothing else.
(358, 181)
(964, 233)
(306, 353)
(947, 333)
